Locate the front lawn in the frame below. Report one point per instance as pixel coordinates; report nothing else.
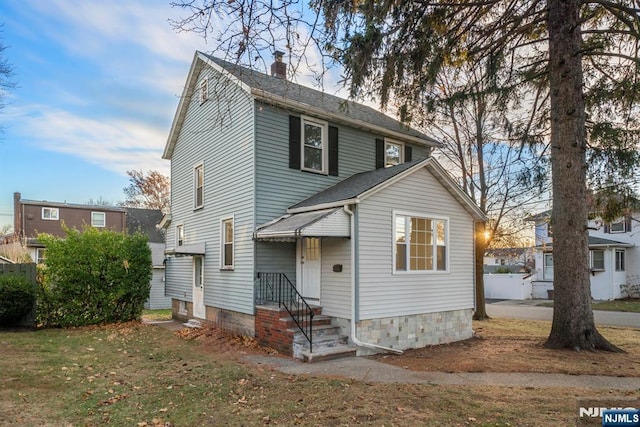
(140, 375)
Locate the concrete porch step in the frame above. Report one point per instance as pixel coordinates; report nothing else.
(193, 323)
(328, 353)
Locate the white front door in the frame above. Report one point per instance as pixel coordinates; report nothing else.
(310, 263)
(198, 287)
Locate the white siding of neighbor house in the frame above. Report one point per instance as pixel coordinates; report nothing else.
(218, 133)
(385, 294)
(335, 295)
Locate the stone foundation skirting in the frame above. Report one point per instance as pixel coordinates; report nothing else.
(418, 330)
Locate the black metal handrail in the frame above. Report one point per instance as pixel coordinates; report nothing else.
(277, 288)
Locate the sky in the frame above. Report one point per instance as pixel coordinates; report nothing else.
(97, 85)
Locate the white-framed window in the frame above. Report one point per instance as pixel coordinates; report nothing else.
(618, 227)
(315, 152)
(596, 260)
(198, 271)
(226, 251)
(182, 307)
(547, 271)
(98, 219)
(620, 260)
(393, 153)
(204, 90)
(41, 255)
(198, 186)
(420, 243)
(52, 214)
(179, 235)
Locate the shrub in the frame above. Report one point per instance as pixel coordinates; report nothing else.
(93, 276)
(17, 297)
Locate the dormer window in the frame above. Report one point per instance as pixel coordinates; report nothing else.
(51, 214)
(204, 90)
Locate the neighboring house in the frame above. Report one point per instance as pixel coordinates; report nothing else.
(31, 217)
(614, 255)
(275, 185)
(38, 216)
(146, 222)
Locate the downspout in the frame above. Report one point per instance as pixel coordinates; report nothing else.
(354, 301)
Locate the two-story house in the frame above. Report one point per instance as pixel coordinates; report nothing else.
(32, 217)
(279, 190)
(614, 255)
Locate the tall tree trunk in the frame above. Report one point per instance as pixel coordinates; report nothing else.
(480, 248)
(573, 325)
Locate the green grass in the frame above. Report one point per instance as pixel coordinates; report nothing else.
(625, 305)
(162, 314)
(138, 375)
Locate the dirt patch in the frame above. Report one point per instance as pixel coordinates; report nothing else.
(219, 341)
(517, 346)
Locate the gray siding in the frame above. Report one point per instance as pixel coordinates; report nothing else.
(157, 299)
(278, 186)
(218, 133)
(384, 294)
(336, 286)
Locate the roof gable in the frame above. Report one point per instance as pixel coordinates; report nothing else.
(293, 96)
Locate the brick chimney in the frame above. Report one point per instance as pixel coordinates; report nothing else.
(279, 68)
(17, 217)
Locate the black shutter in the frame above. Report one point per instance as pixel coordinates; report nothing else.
(379, 153)
(607, 228)
(294, 142)
(627, 224)
(333, 151)
(407, 153)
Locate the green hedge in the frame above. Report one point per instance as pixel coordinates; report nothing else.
(93, 277)
(17, 297)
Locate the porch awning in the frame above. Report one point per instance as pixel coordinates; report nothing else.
(322, 223)
(186, 250)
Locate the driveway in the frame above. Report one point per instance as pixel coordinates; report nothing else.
(527, 309)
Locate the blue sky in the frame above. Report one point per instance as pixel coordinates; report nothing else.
(97, 87)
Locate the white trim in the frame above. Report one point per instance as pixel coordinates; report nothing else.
(179, 227)
(51, 217)
(591, 260)
(104, 219)
(324, 126)
(223, 221)
(410, 214)
(196, 206)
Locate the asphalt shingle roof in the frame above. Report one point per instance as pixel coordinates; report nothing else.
(145, 221)
(317, 99)
(355, 185)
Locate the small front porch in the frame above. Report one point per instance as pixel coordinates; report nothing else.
(286, 322)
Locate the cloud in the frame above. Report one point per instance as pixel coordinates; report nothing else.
(116, 145)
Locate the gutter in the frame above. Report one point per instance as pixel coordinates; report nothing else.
(354, 300)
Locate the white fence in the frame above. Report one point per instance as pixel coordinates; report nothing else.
(507, 286)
